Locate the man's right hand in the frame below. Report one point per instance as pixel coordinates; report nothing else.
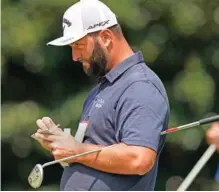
(212, 135)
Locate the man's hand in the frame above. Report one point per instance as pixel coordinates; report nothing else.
(60, 143)
(212, 135)
(45, 124)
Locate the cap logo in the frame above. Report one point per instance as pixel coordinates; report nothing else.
(66, 22)
(101, 24)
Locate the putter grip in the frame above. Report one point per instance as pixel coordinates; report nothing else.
(209, 120)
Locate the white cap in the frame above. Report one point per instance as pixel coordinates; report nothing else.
(86, 16)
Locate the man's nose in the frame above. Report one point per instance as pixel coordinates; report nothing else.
(75, 55)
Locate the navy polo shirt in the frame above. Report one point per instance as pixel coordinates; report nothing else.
(129, 105)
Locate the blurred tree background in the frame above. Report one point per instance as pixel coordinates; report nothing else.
(180, 42)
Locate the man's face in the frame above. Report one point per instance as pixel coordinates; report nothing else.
(89, 52)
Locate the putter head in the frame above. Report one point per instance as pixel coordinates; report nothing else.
(36, 176)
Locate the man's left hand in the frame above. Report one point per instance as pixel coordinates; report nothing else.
(62, 144)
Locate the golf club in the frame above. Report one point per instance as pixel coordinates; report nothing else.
(197, 168)
(190, 125)
(36, 176)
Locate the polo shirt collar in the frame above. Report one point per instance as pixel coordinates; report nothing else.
(112, 75)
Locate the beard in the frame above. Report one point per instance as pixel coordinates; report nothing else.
(98, 62)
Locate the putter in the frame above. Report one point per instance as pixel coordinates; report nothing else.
(36, 176)
(197, 168)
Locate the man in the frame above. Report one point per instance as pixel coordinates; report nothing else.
(127, 109)
(212, 135)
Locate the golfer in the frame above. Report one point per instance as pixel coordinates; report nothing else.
(127, 109)
(212, 135)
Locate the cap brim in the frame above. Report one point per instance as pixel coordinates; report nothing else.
(63, 41)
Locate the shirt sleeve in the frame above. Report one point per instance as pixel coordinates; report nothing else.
(141, 115)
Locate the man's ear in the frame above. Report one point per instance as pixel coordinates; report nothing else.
(106, 37)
